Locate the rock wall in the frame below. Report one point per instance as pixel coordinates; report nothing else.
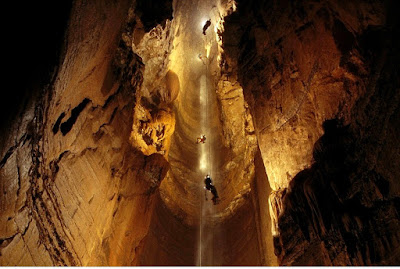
(74, 191)
(312, 68)
(304, 98)
(185, 228)
(82, 164)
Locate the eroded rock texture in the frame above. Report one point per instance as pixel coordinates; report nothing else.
(312, 68)
(299, 100)
(186, 229)
(73, 189)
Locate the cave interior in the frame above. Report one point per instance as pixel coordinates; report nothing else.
(100, 158)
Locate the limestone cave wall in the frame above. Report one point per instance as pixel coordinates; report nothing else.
(74, 190)
(321, 81)
(299, 101)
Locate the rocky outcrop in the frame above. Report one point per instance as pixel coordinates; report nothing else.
(349, 215)
(302, 64)
(154, 120)
(73, 189)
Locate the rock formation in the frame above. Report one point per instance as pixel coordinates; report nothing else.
(71, 194)
(299, 101)
(321, 83)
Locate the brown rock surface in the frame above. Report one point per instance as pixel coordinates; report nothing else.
(81, 179)
(300, 65)
(74, 191)
(209, 103)
(299, 101)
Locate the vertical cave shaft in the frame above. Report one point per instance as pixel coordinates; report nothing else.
(299, 102)
(210, 234)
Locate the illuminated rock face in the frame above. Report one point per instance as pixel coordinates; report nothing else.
(210, 103)
(302, 64)
(101, 167)
(74, 189)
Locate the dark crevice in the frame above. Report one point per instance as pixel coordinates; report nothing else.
(9, 152)
(4, 242)
(58, 122)
(344, 39)
(303, 27)
(67, 125)
(19, 179)
(54, 168)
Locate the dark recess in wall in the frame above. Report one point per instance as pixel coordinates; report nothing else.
(67, 125)
(153, 12)
(33, 37)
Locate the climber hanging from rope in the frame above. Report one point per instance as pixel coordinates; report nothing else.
(201, 139)
(205, 27)
(211, 188)
(202, 58)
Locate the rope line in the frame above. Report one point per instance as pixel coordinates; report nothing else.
(207, 112)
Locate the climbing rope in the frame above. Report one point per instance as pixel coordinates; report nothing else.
(207, 114)
(208, 162)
